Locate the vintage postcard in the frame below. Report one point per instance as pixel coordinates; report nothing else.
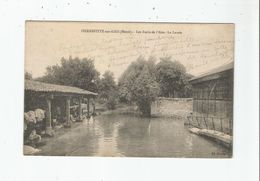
(121, 89)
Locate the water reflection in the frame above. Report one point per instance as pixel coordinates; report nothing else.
(127, 134)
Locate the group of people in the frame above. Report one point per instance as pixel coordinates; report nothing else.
(33, 126)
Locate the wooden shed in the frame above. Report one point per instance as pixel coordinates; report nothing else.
(45, 95)
(213, 97)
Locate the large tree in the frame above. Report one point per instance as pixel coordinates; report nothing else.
(108, 91)
(106, 85)
(138, 84)
(73, 72)
(172, 77)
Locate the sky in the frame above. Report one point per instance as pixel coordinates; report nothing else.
(113, 46)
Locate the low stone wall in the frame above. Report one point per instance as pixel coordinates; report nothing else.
(172, 107)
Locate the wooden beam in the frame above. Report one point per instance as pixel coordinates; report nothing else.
(49, 96)
(63, 94)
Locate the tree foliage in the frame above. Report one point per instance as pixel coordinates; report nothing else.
(28, 76)
(141, 82)
(138, 84)
(172, 78)
(106, 85)
(73, 72)
(108, 90)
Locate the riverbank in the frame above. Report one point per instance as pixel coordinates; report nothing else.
(219, 137)
(102, 109)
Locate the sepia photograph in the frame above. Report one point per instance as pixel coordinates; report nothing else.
(125, 89)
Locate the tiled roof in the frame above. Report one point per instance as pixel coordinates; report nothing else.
(46, 87)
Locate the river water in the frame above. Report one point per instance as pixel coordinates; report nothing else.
(123, 133)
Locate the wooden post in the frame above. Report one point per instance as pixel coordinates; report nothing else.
(221, 127)
(230, 125)
(198, 122)
(68, 111)
(48, 127)
(80, 109)
(48, 113)
(94, 107)
(88, 107)
(205, 122)
(213, 125)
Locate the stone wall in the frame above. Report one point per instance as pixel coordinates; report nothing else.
(172, 107)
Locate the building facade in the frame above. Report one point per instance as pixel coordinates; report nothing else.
(55, 99)
(213, 99)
